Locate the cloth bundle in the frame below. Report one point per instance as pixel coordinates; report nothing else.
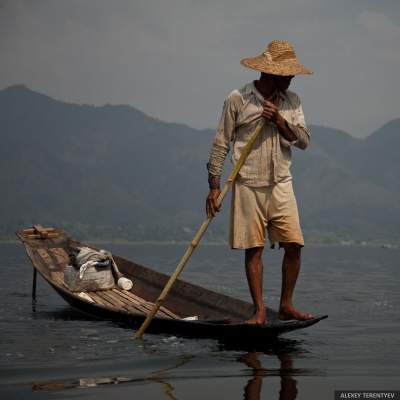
(84, 257)
(88, 257)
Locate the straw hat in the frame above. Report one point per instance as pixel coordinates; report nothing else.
(279, 58)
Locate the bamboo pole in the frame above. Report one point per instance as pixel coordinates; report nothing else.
(194, 243)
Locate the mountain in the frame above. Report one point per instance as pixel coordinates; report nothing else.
(114, 172)
(103, 170)
(346, 185)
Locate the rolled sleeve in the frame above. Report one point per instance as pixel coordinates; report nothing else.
(223, 137)
(298, 127)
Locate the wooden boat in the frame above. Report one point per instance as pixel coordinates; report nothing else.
(219, 316)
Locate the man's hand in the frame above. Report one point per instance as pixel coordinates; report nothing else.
(211, 202)
(271, 113)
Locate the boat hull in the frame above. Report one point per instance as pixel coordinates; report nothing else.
(220, 316)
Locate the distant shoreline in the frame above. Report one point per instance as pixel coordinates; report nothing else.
(125, 242)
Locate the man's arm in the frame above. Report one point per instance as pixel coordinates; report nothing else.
(297, 133)
(219, 151)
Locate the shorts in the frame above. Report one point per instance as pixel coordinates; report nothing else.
(257, 209)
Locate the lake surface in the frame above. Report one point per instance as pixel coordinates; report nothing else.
(48, 350)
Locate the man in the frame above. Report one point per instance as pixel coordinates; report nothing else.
(262, 195)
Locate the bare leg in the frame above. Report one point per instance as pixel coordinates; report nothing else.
(290, 271)
(254, 273)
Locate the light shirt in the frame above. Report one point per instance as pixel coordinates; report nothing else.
(270, 158)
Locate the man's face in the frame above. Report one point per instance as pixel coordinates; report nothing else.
(282, 82)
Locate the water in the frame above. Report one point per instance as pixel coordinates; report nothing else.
(48, 350)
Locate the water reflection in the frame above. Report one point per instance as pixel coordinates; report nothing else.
(259, 360)
(288, 385)
(161, 376)
(251, 356)
(285, 351)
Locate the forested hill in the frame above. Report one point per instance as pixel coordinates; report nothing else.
(114, 172)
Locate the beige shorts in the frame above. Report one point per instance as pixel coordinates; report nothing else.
(256, 209)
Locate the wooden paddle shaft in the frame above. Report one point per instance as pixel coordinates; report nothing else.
(194, 243)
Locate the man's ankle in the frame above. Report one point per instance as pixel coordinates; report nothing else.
(285, 306)
(260, 308)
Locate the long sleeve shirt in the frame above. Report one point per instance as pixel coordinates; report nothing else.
(270, 158)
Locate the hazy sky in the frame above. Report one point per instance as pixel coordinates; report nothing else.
(178, 59)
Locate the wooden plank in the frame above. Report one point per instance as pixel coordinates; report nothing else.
(43, 232)
(34, 256)
(148, 304)
(58, 277)
(100, 300)
(39, 228)
(137, 306)
(33, 230)
(85, 296)
(141, 306)
(38, 263)
(128, 303)
(39, 236)
(100, 297)
(169, 313)
(61, 255)
(135, 298)
(47, 259)
(105, 294)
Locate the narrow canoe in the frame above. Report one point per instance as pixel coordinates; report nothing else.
(219, 316)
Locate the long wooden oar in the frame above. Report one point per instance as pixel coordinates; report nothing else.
(194, 243)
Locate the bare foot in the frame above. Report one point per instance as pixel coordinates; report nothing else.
(286, 314)
(258, 318)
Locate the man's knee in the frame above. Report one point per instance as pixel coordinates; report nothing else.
(292, 249)
(254, 252)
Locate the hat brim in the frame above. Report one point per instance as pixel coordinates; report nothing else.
(283, 68)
